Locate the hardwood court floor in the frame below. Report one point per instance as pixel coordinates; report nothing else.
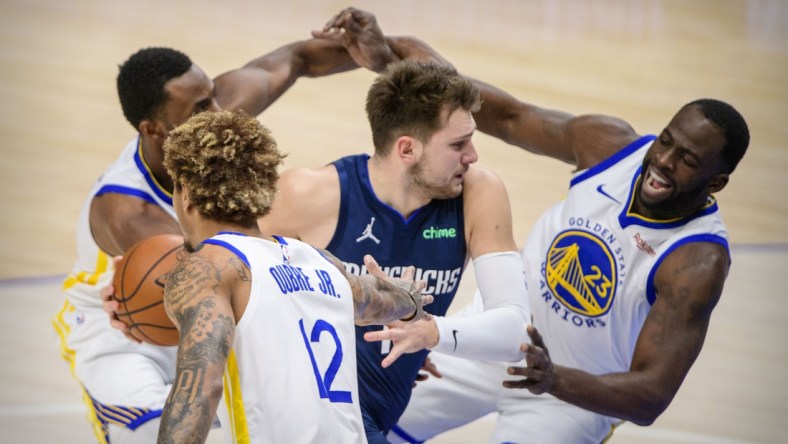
(638, 59)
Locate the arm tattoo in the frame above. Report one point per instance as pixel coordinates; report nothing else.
(193, 296)
(378, 301)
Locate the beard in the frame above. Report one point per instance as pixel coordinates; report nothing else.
(420, 183)
(679, 202)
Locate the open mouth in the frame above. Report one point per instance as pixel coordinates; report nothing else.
(655, 184)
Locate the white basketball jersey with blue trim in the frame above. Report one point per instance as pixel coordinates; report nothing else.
(590, 263)
(100, 356)
(93, 269)
(291, 374)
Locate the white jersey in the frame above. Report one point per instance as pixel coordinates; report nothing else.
(291, 373)
(127, 383)
(590, 266)
(129, 175)
(590, 263)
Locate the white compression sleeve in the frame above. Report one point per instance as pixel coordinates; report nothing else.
(496, 333)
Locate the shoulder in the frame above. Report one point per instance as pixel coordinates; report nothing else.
(301, 179)
(480, 181)
(210, 267)
(308, 183)
(596, 137)
(694, 272)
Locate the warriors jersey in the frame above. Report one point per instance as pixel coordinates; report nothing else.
(126, 383)
(590, 263)
(432, 239)
(129, 175)
(291, 372)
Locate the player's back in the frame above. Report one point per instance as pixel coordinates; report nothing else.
(291, 374)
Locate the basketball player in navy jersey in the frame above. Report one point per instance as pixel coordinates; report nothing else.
(265, 322)
(126, 383)
(642, 231)
(417, 200)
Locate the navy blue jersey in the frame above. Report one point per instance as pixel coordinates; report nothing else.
(432, 239)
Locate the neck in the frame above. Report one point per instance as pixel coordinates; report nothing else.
(391, 184)
(210, 228)
(153, 157)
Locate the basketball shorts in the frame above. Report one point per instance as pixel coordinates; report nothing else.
(126, 384)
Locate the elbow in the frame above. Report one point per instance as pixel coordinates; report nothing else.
(649, 412)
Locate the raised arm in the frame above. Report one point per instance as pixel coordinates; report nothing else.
(688, 283)
(583, 141)
(197, 298)
(256, 85)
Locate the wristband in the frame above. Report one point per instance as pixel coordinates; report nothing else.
(411, 317)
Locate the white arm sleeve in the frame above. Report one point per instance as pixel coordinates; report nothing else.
(496, 333)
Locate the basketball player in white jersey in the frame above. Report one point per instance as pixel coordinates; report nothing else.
(622, 275)
(266, 323)
(125, 384)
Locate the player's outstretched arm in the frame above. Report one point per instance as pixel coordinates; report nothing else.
(583, 141)
(689, 283)
(358, 31)
(380, 299)
(197, 298)
(256, 85)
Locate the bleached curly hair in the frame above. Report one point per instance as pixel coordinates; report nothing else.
(227, 161)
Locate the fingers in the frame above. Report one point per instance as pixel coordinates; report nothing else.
(391, 357)
(374, 269)
(409, 272)
(427, 299)
(431, 369)
(379, 335)
(536, 337)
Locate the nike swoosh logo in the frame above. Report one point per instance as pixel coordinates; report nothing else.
(454, 334)
(602, 192)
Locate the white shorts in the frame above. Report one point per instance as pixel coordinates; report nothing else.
(126, 383)
(472, 389)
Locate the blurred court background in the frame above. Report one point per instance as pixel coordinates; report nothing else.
(641, 60)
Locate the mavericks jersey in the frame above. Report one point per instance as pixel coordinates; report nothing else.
(432, 239)
(291, 372)
(590, 263)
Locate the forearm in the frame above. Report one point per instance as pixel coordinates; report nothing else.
(412, 48)
(190, 408)
(495, 334)
(630, 396)
(307, 58)
(377, 302)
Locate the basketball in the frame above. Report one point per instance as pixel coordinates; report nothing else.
(139, 288)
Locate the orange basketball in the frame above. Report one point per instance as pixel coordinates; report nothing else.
(139, 288)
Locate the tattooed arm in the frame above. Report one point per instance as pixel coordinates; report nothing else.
(198, 298)
(380, 299)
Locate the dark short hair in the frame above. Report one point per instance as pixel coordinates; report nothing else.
(142, 78)
(733, 125)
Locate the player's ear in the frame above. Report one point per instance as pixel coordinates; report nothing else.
(182, 194)
(718, 182)
(408, 149)
(153, 129)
